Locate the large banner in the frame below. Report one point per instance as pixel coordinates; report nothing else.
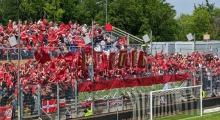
(85, 56)
(141, 63)
(111, 60)
(6, 113)
(97, 58)
(122, 58)
(133, 58)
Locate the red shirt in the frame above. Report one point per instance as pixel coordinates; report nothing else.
(1, 29)
(9, 26)
(44, 22)
(108, 27)
(23, 37)
(40, 37)
(34, 38)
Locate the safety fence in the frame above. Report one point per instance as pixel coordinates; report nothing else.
(68, 95)
(43, 100)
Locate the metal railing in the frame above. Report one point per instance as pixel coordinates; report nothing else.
(130, 37)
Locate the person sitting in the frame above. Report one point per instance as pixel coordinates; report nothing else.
(88, 112)
(214, 93)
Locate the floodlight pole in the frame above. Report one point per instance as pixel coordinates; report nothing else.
(194, 63)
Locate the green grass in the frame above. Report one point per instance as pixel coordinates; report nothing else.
(210, 116)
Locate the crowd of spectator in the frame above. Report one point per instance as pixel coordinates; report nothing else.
(60, 39)
(57, 38)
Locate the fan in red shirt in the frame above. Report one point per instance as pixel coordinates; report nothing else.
(1, 29)
(108, 28)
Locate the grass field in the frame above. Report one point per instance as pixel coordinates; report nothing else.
(210, 116)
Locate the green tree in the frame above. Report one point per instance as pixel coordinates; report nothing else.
(126, 15)
(53, 10)
(202, 23)
(207, 6)
(161, 19)
(216, 24)
(186, 24)
(69, 6)
(86, 11)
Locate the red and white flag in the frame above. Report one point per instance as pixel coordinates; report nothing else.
(62, 103)
(49, 106)
(5, 112)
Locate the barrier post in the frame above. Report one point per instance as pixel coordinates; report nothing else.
(191, 74)
(7, 54)
(122, 103)
(211, 80)
(201, 81)
(117, 102)
(39, 100)
(76, 99)
(108, 105)
(58, 102)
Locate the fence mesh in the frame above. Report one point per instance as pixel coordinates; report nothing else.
(185, 101)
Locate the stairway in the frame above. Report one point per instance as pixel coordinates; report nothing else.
(120, 33)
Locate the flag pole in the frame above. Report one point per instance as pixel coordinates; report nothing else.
(151, 45)
(58, 102)
(20, 114)
(92, 77)
(194, 59)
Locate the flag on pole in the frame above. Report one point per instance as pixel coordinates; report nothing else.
(189, 36)
(37, 55)
(49, 106)
(146, 38)
(62, 103)
(45, 57)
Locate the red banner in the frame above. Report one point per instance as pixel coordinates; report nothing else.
(97, 58)
(122, 58)
(6, 113)
(85, 56)
(141, 61)
(130, 82)
(111, 60)
(49, 106)
(62, 103)
(133, 58)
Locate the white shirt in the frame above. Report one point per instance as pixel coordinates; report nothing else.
(103, 44)
(84, 29)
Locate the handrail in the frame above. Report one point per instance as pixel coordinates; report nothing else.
(118, 33)
(130, 35)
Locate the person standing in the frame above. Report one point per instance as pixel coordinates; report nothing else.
(68, 113)
(89, 63)
(108, 28)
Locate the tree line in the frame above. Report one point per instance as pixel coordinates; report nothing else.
(137, 17)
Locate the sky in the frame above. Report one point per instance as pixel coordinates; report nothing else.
(187, 6)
